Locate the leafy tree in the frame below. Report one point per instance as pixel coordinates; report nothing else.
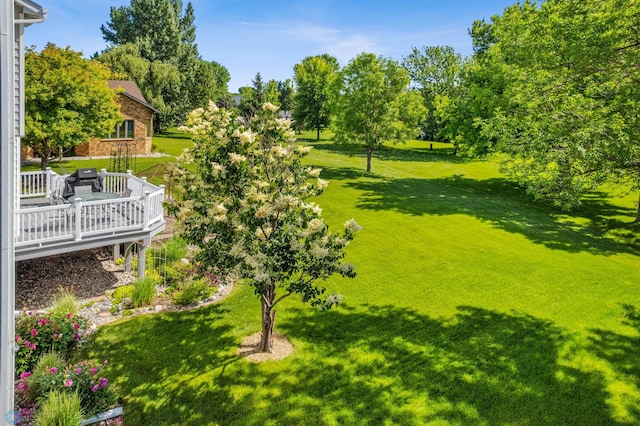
(252, 97)
(271, 94)
(248, 208)
(435, 72)
(164, 35)
(154, 78)
(570, 122)
(373, 104)
(67, 101)
(314, 77)
(221, 79)
(286, 94)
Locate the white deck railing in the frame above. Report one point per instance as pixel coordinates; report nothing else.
(82, 220)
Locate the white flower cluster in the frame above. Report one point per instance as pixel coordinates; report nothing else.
(352, 226)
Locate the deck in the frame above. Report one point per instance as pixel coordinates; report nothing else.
(43, 228)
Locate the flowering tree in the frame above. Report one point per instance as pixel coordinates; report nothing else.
(247, 207)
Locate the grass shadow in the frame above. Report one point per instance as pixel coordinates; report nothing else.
(503, 204)
(622, 353)
(394, 152)
(387, 365)
(154, 359)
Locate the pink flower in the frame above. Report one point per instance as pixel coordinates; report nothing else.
(68, 383)
(76, 336)
(27, 343)
(22, 386)
(18, 338)
(25, 375)
(53, 370)
(42, 321)
(76, 326)
(33, 346)
(34, 331)
(78, 370)
(69, 315)
(95, 388)
(94, 370)
(104, 382)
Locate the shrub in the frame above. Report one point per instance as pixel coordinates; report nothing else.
(59, 409)
(192, 291)
(143, 292)
(178, 272)
(64, 302)
(81, 379)
(175, 249)
(30, 388)
(122, 292)
(37, 334)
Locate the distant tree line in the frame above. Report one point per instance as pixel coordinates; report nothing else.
(552, 87)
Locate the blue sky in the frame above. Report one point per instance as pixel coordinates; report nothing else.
(270, 37)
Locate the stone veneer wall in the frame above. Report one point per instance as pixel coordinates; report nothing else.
(130, 110)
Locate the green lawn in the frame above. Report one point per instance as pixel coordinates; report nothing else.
(473, 305)
(170, 142)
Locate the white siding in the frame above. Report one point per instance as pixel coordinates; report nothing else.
(18, 76)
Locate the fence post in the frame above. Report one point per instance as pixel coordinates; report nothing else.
(129, 176)
(103, 176)
(147, 207)
(78, 207)
(47, 188)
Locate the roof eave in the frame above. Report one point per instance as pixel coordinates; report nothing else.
(33, 12)
(140, 102)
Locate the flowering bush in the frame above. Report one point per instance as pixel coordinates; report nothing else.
(38, 333)
(96, 395)
(247, 204)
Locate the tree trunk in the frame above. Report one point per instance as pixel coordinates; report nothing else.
(638, 211)
(369, 154)
(318, 134)
(268, 318)
(44, 161)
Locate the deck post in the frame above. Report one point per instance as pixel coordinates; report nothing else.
(116, 252)
(128, 256)
(142, 260)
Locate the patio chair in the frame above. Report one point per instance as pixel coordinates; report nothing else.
(127, 193)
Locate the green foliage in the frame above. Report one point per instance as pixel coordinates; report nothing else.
(171, 251)
(67, 101)
(162, 56)
(192, 290)
(178, 272)
(248, 208)
(64, 302)
(37, 334)
(144, 290)
(314, 77)
(373, 106)
(81, 379)
(569, 121)
(435, 72)
(29, 387)
(122, 292)
(60, 409)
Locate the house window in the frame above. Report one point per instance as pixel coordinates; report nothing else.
(123, 130)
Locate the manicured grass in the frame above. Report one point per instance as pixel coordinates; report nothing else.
(170, 142)
(473, 305)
